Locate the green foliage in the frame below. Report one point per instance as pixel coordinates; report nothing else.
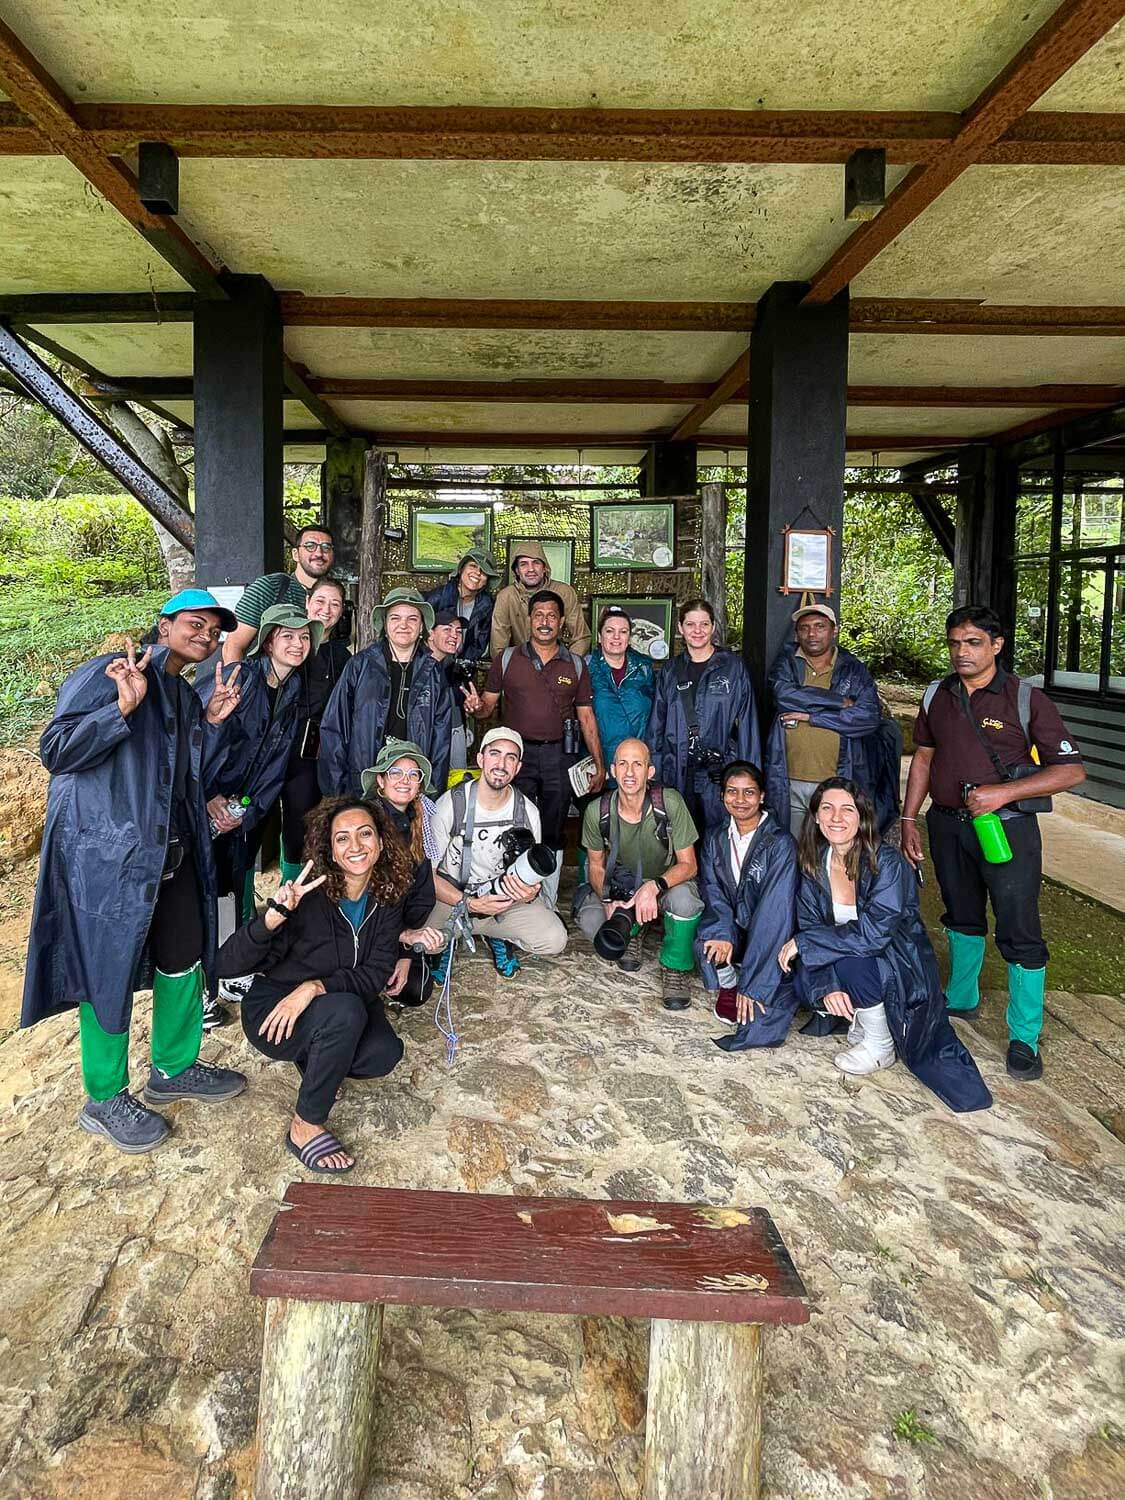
(45, 633)
(908, 1429)
(39, 458)
(84, 544)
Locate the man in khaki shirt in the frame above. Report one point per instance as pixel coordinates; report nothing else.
(511, 624)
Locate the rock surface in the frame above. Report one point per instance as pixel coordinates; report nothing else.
(966, 1270)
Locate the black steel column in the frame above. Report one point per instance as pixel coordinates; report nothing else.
(238, 434)
(798, 416)
(341, 492)
(984, 570)
(669, 469)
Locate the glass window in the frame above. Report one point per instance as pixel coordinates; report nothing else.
(1117, 632)
(1030, 651)
(1081, 608)
(1033, 516)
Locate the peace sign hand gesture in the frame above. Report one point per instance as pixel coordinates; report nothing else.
(128, 676)
(225, 698)
(289, 896)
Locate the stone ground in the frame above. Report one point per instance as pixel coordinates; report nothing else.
(966, 1273)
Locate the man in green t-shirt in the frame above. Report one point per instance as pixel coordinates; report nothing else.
(640, 850)
(313, 553)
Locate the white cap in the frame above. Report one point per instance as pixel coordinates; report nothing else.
(814, 609)
(500, 733)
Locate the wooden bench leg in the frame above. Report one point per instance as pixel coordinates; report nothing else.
(704, 1429)
(319, 1364)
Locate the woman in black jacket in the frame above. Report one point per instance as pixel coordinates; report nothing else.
(321, 956)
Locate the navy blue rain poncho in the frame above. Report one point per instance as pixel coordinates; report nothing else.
(105, 840)
(728, 723)
(889, 929)
(855, 726)
(478, 627)
(353, 727)
(759, 916)
(256, 759)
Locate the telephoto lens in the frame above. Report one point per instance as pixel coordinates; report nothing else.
(534, 864)
(612, 937)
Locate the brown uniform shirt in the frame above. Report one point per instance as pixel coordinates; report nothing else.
(959, 755)
(537, 702)
(813, 754)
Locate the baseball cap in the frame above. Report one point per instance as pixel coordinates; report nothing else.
(814, 609)
(500, 733)
(447, 617)
(200, 599)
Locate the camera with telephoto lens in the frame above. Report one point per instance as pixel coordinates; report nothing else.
(523, 858)
(612, 937)
(460, 672)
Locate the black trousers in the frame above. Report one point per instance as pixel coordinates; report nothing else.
(175, 935)
(968, 882)
(544, 779)
(339, 1036)
(300, 794)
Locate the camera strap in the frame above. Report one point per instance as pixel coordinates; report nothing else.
(464, 801)
(1006, 773)
(536, 662)
(686, 688)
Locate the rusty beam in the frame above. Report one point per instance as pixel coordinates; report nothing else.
(1075, 396)
(300, 311)
(1075, 27)
(734, 380)
(589, 442)
(481, 133)
(971, 318)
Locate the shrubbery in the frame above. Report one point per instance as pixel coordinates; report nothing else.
(85, 545)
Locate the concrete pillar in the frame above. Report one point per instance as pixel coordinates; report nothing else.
(798, 416)
(341, 489)
(238, 434)
(984, 550)
(669, 469)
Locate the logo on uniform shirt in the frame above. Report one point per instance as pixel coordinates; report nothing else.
(720, 684)
(992, 723)
(1066, 748)
(565, 681)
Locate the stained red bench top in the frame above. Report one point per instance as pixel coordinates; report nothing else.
(687, 1261)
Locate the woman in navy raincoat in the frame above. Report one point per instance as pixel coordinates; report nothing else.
(748, 880)
(865, 954)
(126, 893)
(688, 750)
(466, 591)
(268, 718)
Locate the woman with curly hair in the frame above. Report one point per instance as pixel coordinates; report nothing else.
(864, 952)
(321, 955)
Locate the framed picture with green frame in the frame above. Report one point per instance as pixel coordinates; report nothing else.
(632, 537)
(651, 614)
(440, 535)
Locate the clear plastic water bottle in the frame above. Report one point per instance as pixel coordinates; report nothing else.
(235, 808)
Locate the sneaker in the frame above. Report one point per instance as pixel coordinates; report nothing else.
(630, 960)
(200, 1081)
(439, 966)
(125, 1121)
(725, 1006)
(962, 1012)
(504, 957)
(675, 988)
(1024, 1065)
(214, 1014)
(235, 990)
(874, 1046)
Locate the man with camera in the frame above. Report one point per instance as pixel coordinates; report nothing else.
(640, 850)
(489, 835)
(446, 641)
(548, 701)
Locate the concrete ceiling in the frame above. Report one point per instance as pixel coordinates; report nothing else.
(572, 230)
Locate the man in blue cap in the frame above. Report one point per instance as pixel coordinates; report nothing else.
(126, 894)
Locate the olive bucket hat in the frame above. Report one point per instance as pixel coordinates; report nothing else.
(484, 561)
(402, 596)
(397, 750)
(288, 617)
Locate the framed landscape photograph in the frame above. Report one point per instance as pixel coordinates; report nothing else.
(440, 535)
(807, 565)
(632, 536)
(652, 617)
(559, 552)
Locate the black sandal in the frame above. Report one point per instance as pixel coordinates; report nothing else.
(322, 1145)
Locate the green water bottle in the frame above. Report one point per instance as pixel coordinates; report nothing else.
(989, 829)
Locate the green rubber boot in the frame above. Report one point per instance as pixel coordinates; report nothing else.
(289, 870)
(581, 864)
(966, 959)
(677, 960)
(1025, 1004)
(177, 1020)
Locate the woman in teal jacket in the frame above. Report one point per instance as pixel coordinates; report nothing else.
(622, 683)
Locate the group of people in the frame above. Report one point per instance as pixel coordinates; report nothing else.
(765, 868)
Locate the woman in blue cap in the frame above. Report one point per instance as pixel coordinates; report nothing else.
(126, 893)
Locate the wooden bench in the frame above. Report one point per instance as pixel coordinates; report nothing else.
(334, 1256)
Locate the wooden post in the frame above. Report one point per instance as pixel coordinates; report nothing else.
(704, 1429)
(713, 554)
(341, 494)
(371, 543)
(319, 1365)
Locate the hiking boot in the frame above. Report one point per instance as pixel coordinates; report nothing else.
(214, 1014)
(630, 960)
(724, 1003)
(201, 1081)
(675, 986)
(504, 957)
(125, 1121)
(236, 989)
(874, 1046)
(439, 966)
(1024, 1065)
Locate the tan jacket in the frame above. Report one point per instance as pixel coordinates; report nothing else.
(510, 623)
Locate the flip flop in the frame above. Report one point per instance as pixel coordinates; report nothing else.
(322, 1145)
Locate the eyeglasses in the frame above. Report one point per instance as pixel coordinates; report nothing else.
(317, 547)
(396, 773)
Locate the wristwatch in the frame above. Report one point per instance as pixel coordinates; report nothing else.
(662, 883)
